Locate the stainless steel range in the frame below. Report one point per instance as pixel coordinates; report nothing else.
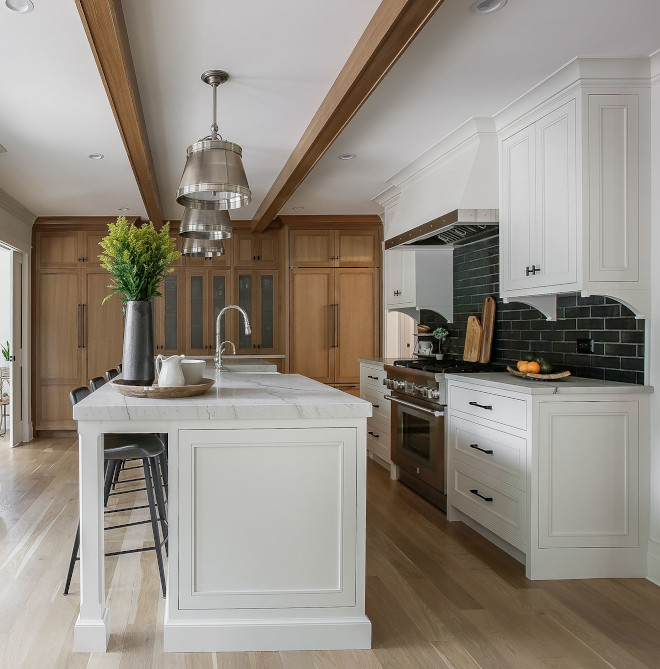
(418, 398)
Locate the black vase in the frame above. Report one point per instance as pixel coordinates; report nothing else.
(138, 357)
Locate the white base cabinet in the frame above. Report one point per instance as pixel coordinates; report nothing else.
(378, 425)
(561, 476)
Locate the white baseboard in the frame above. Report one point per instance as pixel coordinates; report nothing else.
(653, 562)
(260, 635)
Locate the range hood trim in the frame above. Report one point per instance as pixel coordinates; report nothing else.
(486, 219)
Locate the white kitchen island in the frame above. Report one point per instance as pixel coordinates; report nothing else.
(266, 514)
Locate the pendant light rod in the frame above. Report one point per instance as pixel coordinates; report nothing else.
(214, 78)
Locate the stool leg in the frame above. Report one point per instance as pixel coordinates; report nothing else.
(160, 501)
(154, 521)
(162, 458)
(111, 467)
(72, 562)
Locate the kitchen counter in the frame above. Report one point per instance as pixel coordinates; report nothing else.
(570, 384)
(378, 361)
(266, 517)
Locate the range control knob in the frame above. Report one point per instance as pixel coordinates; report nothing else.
(398, 385)
(433, 394)
(421, 390)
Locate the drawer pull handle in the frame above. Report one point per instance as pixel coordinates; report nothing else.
(375, 406)
(486, 499)
(483, 450)
(481, 406)
(372, 377)
(373, 434)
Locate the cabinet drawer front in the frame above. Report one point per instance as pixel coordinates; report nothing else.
(382, 408)
(497, 506)
(372, 377)
(498, 454)
(378, 438)
(491, 406)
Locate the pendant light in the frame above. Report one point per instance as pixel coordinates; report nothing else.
(206, 224)
(213, 177)
(202, 248)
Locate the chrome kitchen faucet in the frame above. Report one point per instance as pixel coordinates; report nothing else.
(220, 347)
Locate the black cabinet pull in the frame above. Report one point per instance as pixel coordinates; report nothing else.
(372, 377)
(397, 293)
(486, 499)
(375, 406)
(483, 450)
(481, 406)
(373, 434)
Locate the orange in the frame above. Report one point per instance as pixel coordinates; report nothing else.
(522, 365)
(533, 367)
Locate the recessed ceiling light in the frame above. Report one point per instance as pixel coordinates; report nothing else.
(487, 6)
(20, 6)
(346, 156)
(124, 209)
(96, 156)
(297, 208)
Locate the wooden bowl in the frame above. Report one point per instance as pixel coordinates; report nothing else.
(164, 393)
(539, 377)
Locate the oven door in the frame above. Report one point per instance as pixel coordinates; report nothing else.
(418, 440)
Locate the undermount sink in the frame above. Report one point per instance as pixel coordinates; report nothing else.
(249, 366)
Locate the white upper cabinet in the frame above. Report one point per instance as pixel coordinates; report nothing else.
(574, 195)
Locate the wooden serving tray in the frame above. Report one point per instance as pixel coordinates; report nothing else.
(540, 377)
(164, 393)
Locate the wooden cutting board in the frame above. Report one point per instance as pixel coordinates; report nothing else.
(487, 323)
(472, 349)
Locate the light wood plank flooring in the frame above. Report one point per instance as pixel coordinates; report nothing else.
(438, 594)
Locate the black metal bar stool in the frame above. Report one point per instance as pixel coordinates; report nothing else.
(110, 374)
(116, 449)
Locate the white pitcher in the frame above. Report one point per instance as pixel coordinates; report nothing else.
(169, 371)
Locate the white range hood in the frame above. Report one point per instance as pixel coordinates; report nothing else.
(454, 179)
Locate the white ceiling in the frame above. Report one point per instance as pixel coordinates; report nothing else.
(282, 58)
(463, 65)
(53, 113)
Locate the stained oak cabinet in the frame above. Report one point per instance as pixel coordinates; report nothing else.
(334, 321)
(255, 249)
(334, 248)
(256, 292)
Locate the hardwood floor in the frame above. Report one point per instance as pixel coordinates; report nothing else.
(438, 595)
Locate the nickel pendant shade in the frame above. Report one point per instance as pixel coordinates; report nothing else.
(202, 248)
(213, 177)
(205, 224)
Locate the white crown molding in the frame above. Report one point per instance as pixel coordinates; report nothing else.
(15, 208)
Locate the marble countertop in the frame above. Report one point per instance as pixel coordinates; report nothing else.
(571, 384)
(234, 396)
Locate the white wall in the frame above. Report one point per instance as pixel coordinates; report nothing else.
(653, 329)
(5, 297)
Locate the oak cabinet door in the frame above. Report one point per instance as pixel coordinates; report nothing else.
(357, 248)
(312, 248)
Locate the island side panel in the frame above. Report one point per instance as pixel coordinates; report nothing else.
(270, 528)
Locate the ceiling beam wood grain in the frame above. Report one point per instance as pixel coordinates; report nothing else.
(104, 24)
(393, 27)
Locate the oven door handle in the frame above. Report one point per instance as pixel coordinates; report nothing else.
(437, 414)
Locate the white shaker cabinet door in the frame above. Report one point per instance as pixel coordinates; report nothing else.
(517, 209)
(555, 242)
(588, 461)
(400, 278)
(614, 188)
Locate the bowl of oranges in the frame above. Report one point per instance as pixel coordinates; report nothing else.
(535, 367)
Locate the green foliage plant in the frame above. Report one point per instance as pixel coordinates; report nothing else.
(138, 257)
(440, 334)
(5, 350)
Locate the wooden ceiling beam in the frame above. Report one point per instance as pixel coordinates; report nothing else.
(104, 24)
(393, 27)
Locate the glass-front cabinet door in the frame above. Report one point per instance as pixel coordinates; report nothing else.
(206, 294)
(219, 287)
(168, 315)
(257, 293)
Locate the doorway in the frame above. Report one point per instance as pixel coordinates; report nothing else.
(13, 314)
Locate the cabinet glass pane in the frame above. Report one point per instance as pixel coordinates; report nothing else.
(267, 311)
(170, 293)
(245, 301)
(219, 303)
(196, 312)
